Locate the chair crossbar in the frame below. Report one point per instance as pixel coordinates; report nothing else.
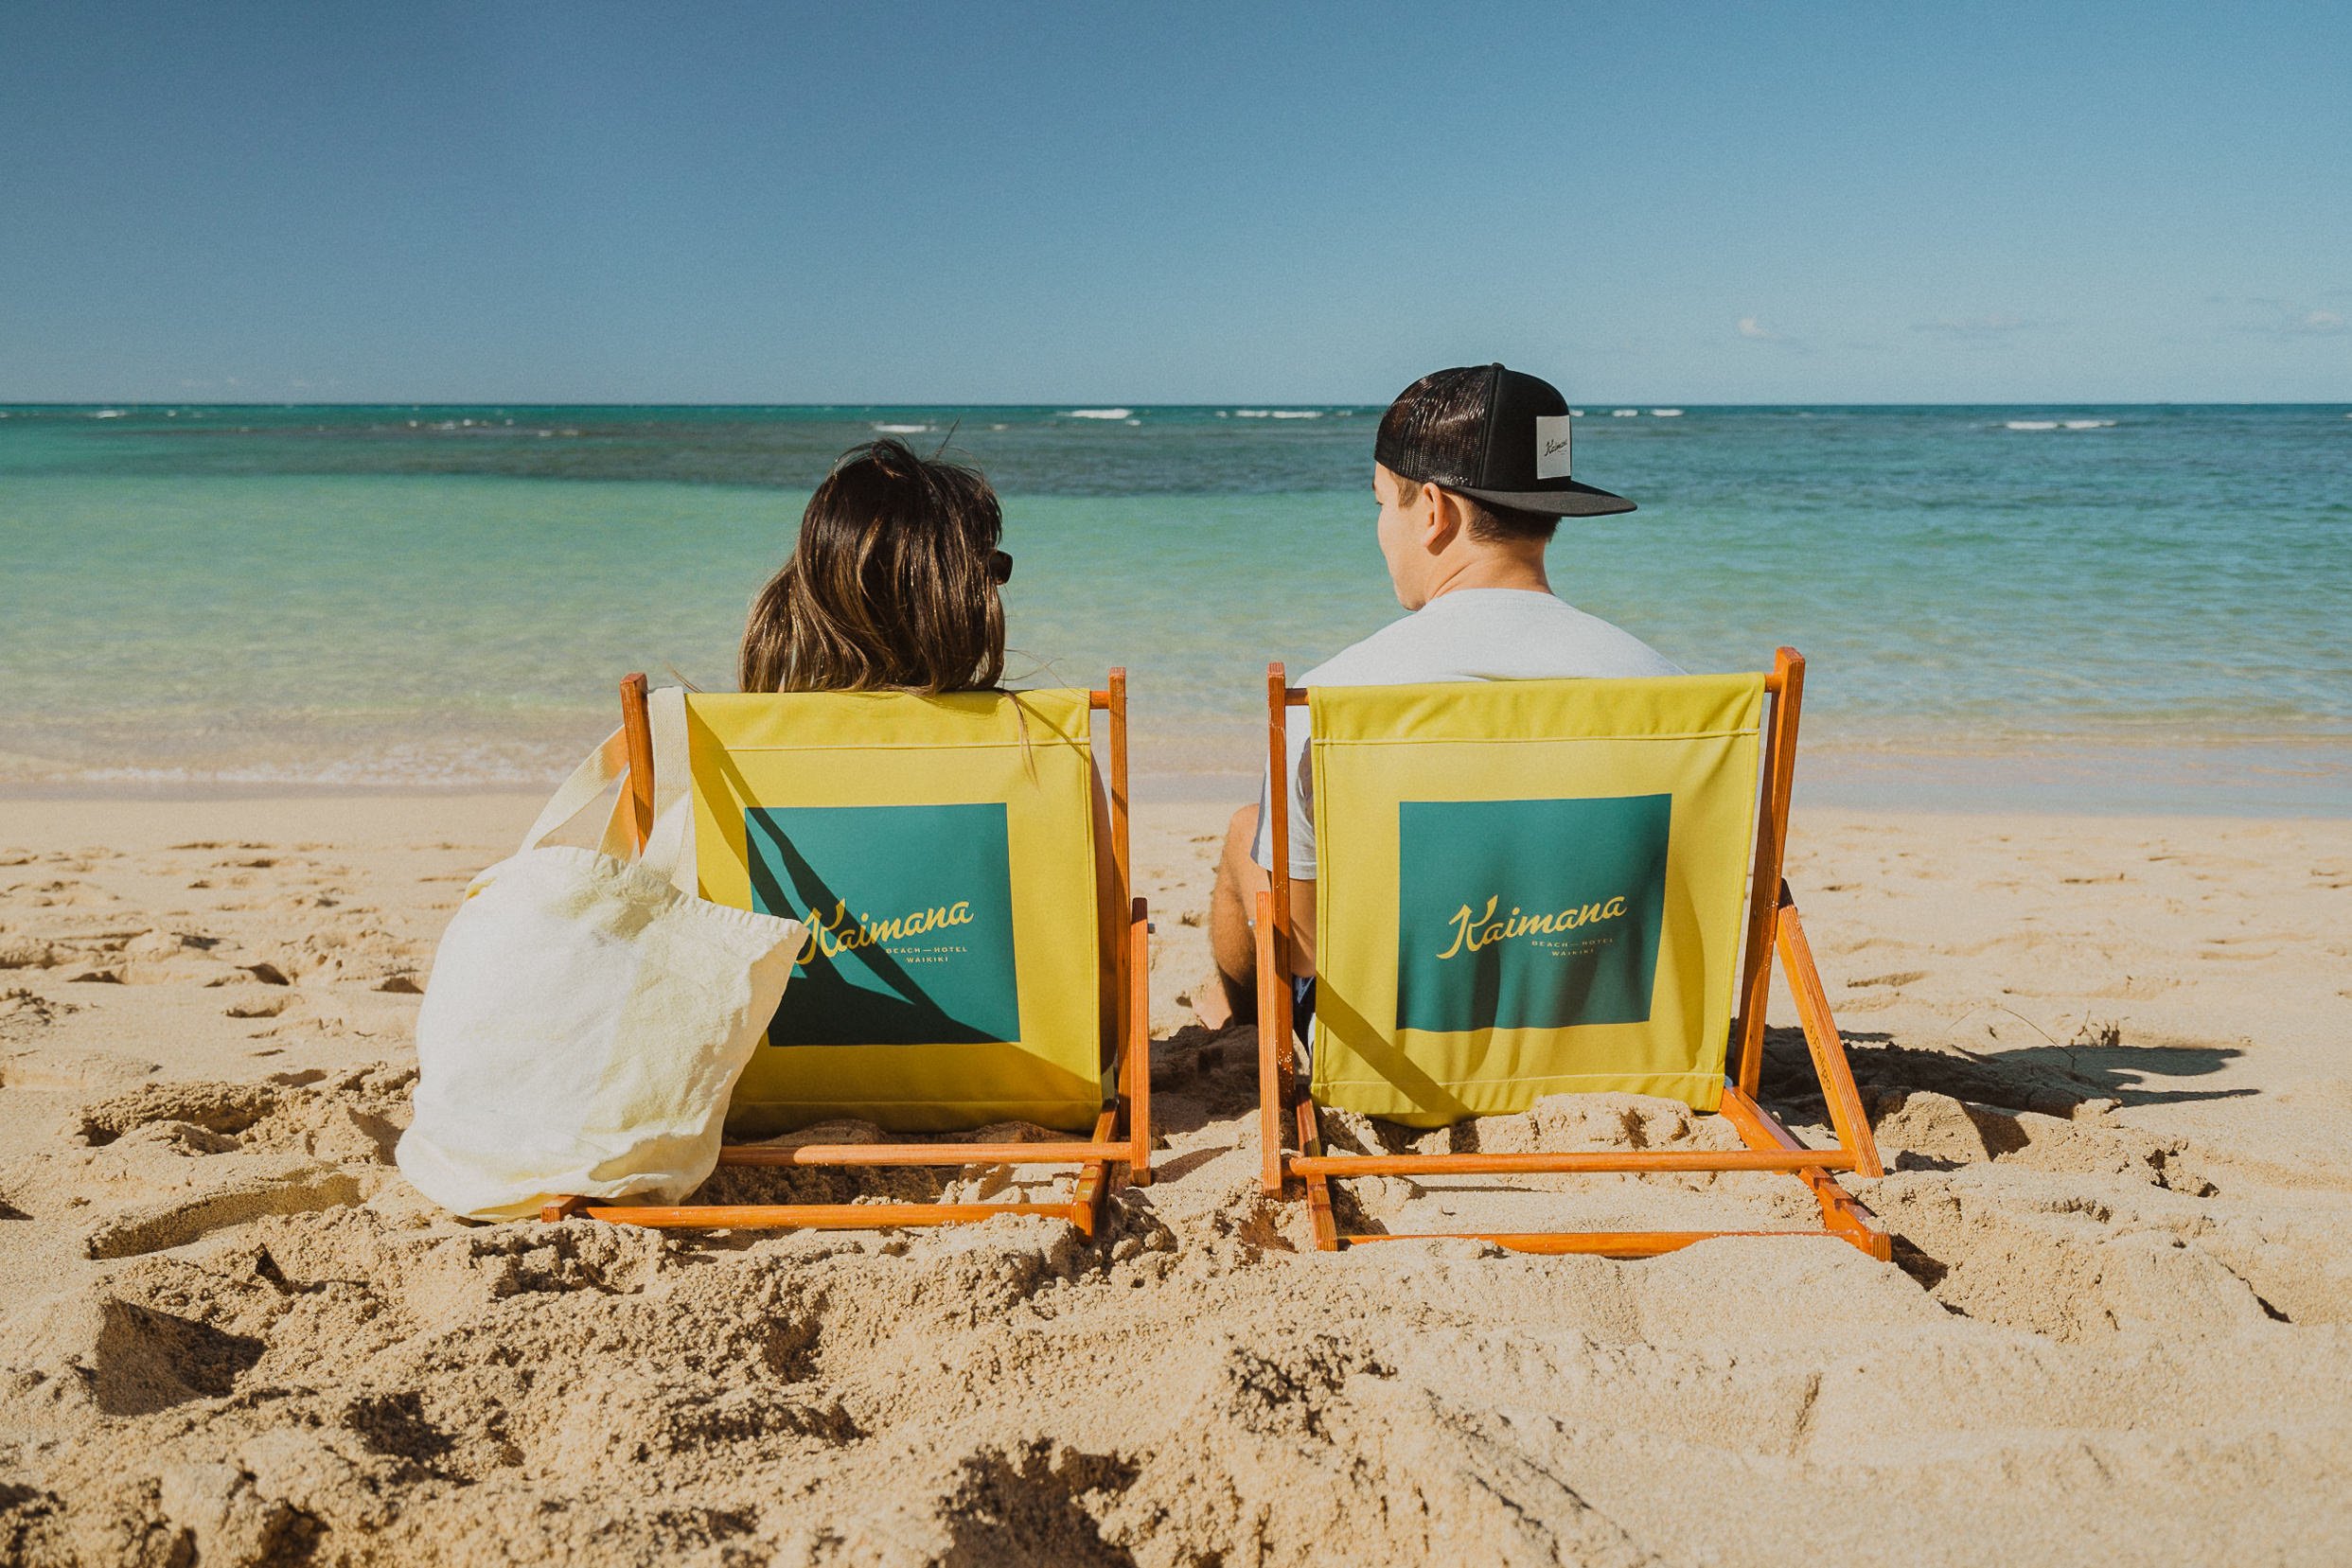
(921, 1153)
(1596, 1161)
(1082, 1208)
(1592, 1243)
(827, 1216)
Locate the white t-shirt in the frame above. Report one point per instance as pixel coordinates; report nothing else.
(1470, 634)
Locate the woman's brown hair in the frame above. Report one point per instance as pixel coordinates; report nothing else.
(890, 587)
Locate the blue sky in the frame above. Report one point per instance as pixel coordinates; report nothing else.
(784, 204)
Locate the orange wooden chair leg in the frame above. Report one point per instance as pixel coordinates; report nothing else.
(1270, 1047)
(1318, 1187)
(1088, 1192)
(1138, 1073)
(1843, 1214)
(1822, 1040)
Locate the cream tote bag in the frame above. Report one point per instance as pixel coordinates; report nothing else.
(586, 1019)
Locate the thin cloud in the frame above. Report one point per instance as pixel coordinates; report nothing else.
(2296, 321)
(1998, 324)
(1755, 331)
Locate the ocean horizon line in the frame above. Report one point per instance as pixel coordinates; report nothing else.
(1643, 405)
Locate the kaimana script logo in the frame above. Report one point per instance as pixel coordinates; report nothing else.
(1472, 932)
(909, 913)
(831, 935)
(1529, 914)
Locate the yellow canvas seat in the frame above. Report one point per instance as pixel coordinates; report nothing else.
(941, 851)
(1539, 888)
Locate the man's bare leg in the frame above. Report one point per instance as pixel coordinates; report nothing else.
(1231, 996)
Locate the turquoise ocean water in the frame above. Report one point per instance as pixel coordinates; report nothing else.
(2116, 608)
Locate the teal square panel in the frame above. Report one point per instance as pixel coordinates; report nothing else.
(1529, 914)
(910, 911)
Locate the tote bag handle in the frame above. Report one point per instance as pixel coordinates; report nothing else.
(667, 846)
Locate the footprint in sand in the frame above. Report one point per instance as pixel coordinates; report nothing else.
(130, 1359)
(216, 1107)
(69, 1070)
(297, 1186)
(29, 952)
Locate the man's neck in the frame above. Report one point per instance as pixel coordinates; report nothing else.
(1493, 571)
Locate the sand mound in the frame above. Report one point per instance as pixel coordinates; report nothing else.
(293, 1355)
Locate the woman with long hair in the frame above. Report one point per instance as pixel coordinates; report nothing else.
(894, 586)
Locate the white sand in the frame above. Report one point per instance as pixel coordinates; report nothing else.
(2107, 1060)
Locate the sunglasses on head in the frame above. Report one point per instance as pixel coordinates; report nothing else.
(1000, 566)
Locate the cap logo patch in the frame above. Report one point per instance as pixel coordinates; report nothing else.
(1552, 445)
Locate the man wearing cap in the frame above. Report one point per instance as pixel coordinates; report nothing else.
(1470, 470)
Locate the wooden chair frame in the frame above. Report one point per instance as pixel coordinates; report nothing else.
(1771, 926)
(1123, 1132)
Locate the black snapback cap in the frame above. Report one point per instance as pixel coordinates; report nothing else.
(1517, 455)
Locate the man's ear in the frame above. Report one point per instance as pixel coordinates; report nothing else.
(1447, 517)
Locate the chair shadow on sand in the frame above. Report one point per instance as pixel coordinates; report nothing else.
(2052, 1080)
(2047, 1080)
(2121, 1070)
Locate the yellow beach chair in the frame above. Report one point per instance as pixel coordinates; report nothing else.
(941, 851)
(1531, 888)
